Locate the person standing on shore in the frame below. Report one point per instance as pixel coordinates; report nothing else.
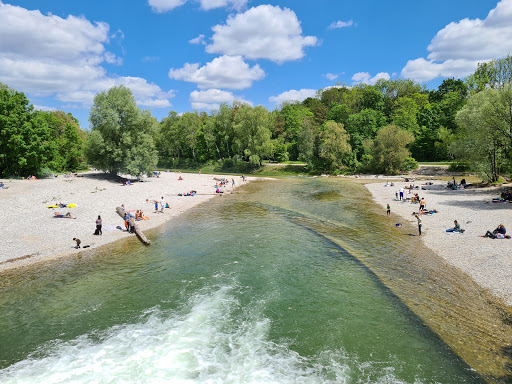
(98, 225)
(162, 204)
(423, 205)
(401, 193)
(388, 212)
(419, 224)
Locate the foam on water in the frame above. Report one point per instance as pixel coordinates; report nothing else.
(212, 339)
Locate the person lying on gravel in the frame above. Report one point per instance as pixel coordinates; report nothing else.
(62, 216)
(498, 233)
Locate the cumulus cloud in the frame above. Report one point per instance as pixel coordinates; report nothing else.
(162, 6)
(228, 72)
(341, 24)
(210, 99)
(366, 78)
(331, 76)
(293, 95)
(457, 49)
(263, 32)
(47, 55)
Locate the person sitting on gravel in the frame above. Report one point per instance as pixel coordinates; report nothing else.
(499, 233)
(456, 228)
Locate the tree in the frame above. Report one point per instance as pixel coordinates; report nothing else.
(122, 136)
(25, 139)
(493, 74)
(294, 116)
(405, 113)
(333, 146)
(389, 150)
(67, 151)
(252, 133)
(485, 131)
(364, 125)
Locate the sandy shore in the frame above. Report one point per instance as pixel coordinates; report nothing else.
(31, 234)
(488, 262)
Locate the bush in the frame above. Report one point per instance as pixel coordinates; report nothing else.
(458, 166)
(409, 163)
(254, 161)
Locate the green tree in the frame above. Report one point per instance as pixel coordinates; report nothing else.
(485, 131)
(294, 116)
(25, 138)
(122, 136)
(307, 139)
(493, 74)
(405, 114)
(389, 149)
(68, 145)
(252, 133)
(334, 148)
(364, 125)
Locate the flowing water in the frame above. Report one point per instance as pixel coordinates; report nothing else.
(290, 281)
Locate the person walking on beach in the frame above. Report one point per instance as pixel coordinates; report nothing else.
(401, 193)
(419, 224)
(98, 226)
(388, 212)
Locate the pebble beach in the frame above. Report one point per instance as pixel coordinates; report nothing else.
(30, 232)
(487, 261)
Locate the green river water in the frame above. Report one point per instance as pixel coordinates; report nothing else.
(286, 281)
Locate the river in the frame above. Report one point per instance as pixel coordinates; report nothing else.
(287, 281)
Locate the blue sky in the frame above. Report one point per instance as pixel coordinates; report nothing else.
(194, 54)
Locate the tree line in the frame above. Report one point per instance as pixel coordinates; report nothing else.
(384, 128)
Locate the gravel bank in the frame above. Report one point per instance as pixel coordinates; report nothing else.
(488, 262)
(31, 234)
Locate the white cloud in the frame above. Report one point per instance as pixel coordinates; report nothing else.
(198, 40)
(162, 6)
(211, 4)
(230, 72)
(366, 78)
(331, 76)
(210, 99)
(426, 70)
(293, 95)
(44, 108)
(263, 32)
(341, 24)
(46, 55)
(457, 49)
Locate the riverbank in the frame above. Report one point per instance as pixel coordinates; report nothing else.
(486, 261)
(32, 234)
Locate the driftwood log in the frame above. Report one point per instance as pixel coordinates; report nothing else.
(131, 221)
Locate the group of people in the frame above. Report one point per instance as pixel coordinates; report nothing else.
(506, 196)
(499, 233)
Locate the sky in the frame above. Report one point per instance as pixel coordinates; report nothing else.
(185, 55)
